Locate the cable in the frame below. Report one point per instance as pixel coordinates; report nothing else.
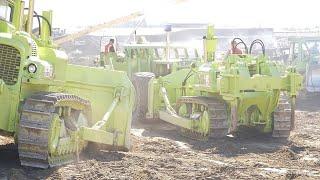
(258, 41)
(36, 15)
(241, 42)
(187, 77)
(47, 21)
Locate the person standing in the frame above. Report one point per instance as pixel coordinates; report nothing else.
(234, 49)
(110, 47)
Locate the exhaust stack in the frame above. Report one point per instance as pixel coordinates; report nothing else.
(30, 16)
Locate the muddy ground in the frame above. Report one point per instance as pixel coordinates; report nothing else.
(160, 152)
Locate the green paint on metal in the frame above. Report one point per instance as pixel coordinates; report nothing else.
(150, 57)
(304, 55)
(34, 65)
(249, 84)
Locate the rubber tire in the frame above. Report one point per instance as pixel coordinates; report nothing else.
(140, 82)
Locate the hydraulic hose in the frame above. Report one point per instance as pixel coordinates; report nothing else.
(241, 42)
(38, 19)
(258, 41)
(36, 15)
(47, 21)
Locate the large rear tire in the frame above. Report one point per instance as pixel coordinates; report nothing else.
(141, 81)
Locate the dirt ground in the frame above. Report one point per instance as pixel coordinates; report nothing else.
(160, 152)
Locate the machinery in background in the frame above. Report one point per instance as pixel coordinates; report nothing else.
(52, 108)
(305, 55)
(150, 58)
(143, 56)
(147, 59)
(217, 97)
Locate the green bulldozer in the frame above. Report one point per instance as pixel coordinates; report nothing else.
(54, 109)
(151, 58)
(216, 98)
(141, 56)
(305, 55)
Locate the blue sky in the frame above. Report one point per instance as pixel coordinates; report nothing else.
(222, 13)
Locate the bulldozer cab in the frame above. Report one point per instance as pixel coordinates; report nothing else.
(6, 11)
(304, 50)
(305, 55)
(152, 57)
(299, 53)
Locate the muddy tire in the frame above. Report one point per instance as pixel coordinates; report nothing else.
(140, 82)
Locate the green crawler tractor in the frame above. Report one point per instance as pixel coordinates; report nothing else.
(52, 108)
(142, 56)
(218, 97)
(305, 55)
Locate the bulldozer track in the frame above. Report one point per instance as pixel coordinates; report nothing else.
(218, 115)
(282, 119)
(34, 128)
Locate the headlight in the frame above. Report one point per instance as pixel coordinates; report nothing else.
(32, 68)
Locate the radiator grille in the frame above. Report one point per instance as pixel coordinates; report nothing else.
(204, 79)
(34, 49)
(9, 64)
